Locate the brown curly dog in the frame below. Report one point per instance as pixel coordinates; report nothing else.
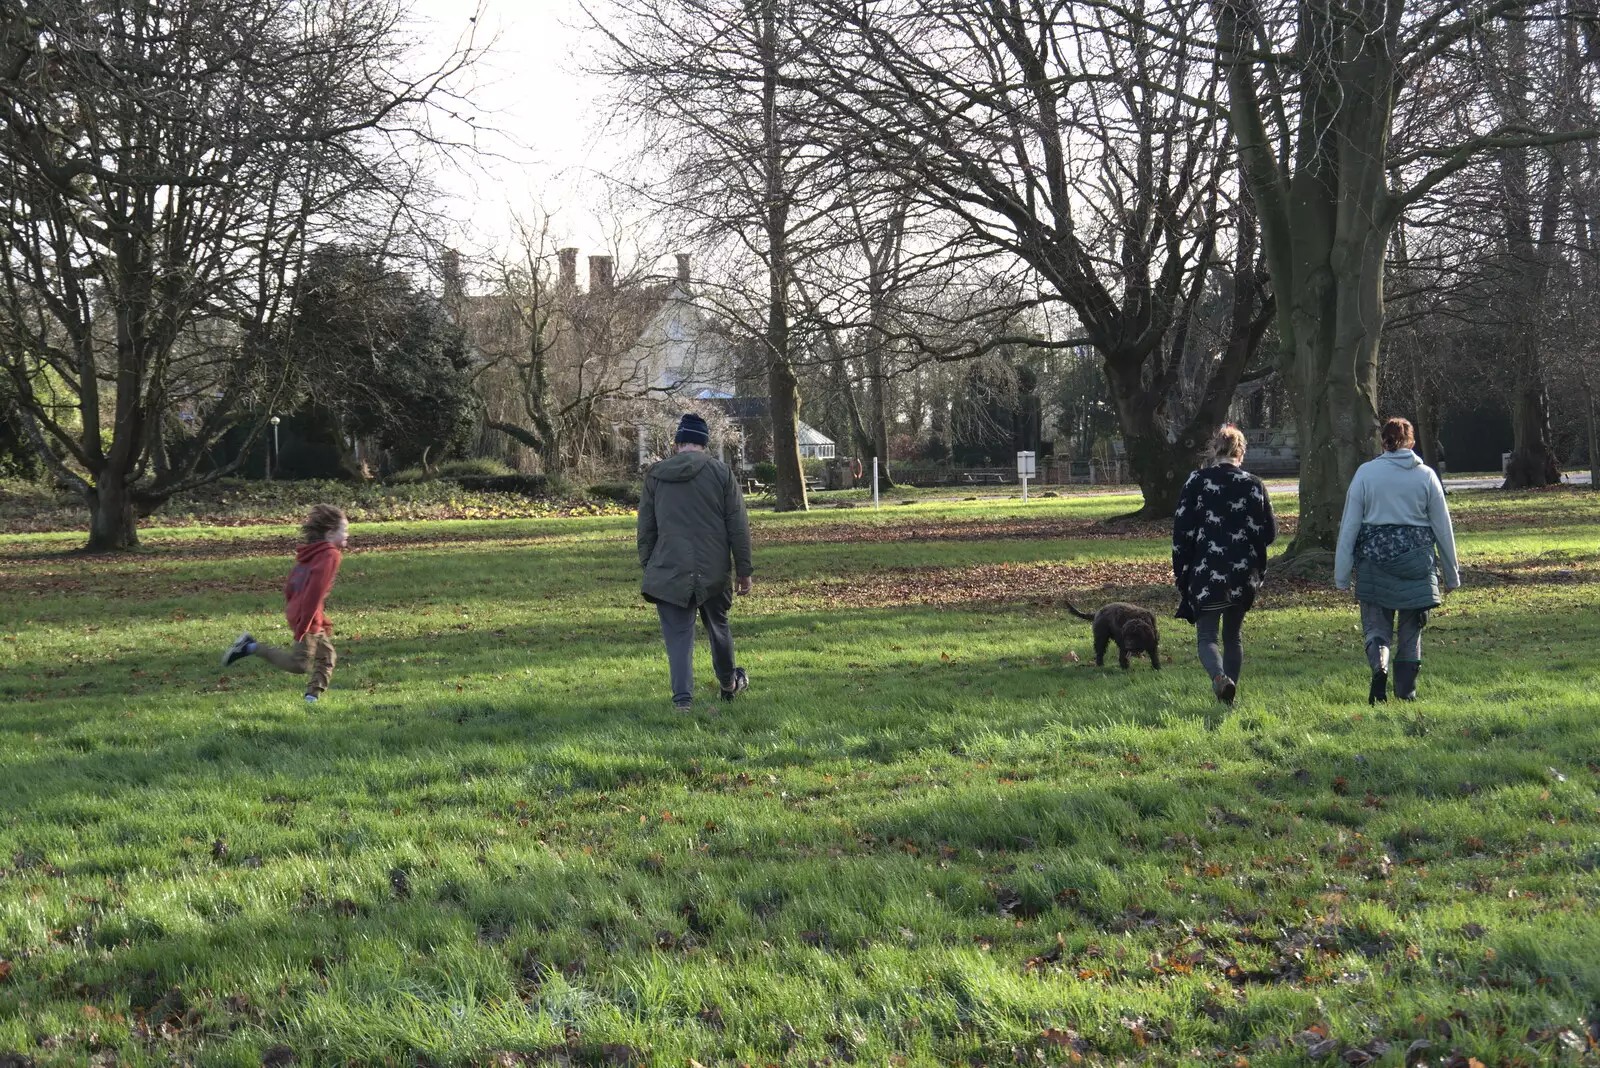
(1131, 627)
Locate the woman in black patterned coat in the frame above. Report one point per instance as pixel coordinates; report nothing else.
(1220, 535)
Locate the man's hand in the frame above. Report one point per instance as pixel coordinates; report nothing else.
(744, 584)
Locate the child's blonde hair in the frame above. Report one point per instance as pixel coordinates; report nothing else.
(323, 520)
(1228, 444)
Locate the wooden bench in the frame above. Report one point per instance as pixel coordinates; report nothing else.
(985, 478)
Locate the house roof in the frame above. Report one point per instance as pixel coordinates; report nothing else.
(810, 435)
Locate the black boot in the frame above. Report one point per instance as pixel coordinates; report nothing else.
(1378, 661)
(1405, 679)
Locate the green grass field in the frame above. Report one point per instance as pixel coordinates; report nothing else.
(931, 833)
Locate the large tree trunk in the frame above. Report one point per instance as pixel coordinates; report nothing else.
(1425, 413)
(784, 406)
(1333, 365)
(1531, 233)
(783, 387)
(1158, 467)
(1594, 436)
(1533, 461)
(113, 523)
(880, 415)
(1325, 226)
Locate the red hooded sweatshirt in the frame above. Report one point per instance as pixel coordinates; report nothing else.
(316, 563)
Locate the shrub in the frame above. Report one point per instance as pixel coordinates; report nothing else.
(527, 485)
(408, 476)
(766, 471)
(621, 492)
(480, 467)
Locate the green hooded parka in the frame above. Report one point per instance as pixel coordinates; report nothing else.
(693, 532)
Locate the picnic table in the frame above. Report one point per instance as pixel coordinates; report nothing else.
(985, 478)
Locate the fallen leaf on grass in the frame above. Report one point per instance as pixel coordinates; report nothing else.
(1050, 957)
(277, 1056)
(5, 971)
(1066, 1038)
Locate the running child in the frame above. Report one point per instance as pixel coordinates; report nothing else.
(316, 563)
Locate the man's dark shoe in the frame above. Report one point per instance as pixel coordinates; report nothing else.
(1379, 692)
(741, 683)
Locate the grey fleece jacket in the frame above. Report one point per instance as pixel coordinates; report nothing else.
(692, 523)
(1396, 488)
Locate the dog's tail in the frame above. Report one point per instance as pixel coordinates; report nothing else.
(1075, 612)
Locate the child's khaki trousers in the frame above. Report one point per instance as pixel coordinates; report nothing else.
(312, 653)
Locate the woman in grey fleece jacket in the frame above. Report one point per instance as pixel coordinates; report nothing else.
(1396, 537)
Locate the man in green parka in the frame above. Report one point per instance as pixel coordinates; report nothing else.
(694, 546)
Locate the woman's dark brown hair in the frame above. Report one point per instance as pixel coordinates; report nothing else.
(323, 520)
(1397, 434)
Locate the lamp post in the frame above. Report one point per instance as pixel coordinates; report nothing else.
(270, 467)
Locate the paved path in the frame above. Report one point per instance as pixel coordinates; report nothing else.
(1575, 478)
(1285, 485)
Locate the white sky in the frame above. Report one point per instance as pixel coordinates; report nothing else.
(544, 148)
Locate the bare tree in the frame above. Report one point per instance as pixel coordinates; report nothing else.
(1313, 94)
(164, 169)
(712, 82)
(1081, 140)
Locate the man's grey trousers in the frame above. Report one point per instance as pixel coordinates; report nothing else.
(677, 630)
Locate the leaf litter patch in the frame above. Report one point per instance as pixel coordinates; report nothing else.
(1038, 584)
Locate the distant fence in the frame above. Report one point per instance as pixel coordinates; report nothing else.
(1051, 473)
(1268, 461)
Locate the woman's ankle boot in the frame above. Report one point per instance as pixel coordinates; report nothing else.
(1380, 688)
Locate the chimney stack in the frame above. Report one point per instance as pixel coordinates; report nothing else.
(450, 274)
(601, 277)
(683, 269)
(569, 268)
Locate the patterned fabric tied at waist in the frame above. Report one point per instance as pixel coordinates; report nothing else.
(1381, 542)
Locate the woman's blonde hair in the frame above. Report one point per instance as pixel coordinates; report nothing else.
(323, 520)
(1228, 444)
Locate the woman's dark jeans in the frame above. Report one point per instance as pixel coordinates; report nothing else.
(1230, 620)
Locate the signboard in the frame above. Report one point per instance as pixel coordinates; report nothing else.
(1025, 465)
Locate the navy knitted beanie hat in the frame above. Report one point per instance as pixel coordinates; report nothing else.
(692, 430)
